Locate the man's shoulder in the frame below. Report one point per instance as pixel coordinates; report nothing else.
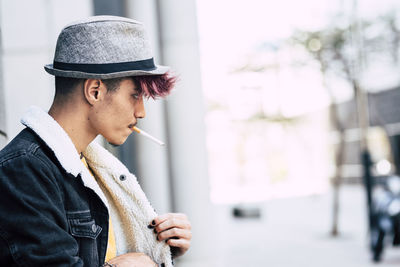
(25, 145)
(27, 156)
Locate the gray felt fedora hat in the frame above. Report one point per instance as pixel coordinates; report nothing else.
(103, 47)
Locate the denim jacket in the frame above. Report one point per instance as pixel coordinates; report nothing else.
(47, 218)
(55, 213)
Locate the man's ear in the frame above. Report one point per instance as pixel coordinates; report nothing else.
(93, 90)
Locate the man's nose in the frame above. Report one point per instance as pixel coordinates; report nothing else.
(139, 109)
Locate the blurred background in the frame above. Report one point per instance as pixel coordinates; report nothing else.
(282, 133)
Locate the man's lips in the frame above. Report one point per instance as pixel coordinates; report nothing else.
(130, 126)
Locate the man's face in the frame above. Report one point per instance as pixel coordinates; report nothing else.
(117, 112)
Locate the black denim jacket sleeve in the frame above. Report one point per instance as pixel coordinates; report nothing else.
(33, 224)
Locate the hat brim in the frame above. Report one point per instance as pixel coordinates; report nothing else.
(159, 70)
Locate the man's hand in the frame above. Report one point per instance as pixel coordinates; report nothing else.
(174, 228)
(133, 259)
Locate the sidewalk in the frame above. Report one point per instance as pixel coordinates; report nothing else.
(295, 232)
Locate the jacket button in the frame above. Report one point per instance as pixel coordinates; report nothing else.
(122, 177)
(94, 228)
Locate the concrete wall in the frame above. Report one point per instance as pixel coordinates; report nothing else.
(186, 127)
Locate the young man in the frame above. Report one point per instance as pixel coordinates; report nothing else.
(66, 201)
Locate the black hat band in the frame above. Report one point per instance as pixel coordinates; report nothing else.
(146, 65)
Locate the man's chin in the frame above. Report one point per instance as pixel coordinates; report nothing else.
(116, 143)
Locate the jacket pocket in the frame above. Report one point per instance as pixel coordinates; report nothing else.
(85, 231)
(82, 225)
(84, 228)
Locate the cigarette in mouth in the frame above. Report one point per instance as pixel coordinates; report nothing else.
(139, 131)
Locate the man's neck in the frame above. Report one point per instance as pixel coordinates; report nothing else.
(74, 122)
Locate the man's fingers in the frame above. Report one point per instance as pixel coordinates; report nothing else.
(174, 232)
(181, 243)
(173, 223)
(169, 216)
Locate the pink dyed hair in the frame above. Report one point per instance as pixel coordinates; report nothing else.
(155, 85)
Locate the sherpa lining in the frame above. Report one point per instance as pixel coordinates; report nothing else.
(129, 208)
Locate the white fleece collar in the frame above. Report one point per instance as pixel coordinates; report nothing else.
(61, 144)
